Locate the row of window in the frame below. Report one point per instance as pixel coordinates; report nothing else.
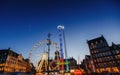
(15, 59)
(107, 64)
(16, 63)
(13, 54)
(2, 59)
(102, 54)
(116, 51)
(3, 53)
(2, 65)
(7, 69)
(12, 68)
(104, 59)
(97, 42)
(1, 69)
(12, 58)
(98, 50)
(117, 56)
(98, 45)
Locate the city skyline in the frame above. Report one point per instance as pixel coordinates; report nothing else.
(24, 23)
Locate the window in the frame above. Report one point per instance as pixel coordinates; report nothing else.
(101, 55)
(117, 51)
(95, 60)
(90, 47)
(101, 41)
(92, 43)
(109, 53)
(119, 56)
(96, 42)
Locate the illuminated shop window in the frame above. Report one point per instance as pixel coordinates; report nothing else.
(119, 56)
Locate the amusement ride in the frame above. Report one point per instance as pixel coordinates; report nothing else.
(40, 54)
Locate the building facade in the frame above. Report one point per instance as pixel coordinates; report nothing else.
(116, 54)
(72, 63)
(87, 64)
(104, 57)
(11, 61)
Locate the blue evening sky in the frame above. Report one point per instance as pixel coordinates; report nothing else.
(23, 23)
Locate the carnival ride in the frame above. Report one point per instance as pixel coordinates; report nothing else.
(39, 57)
(63, 47)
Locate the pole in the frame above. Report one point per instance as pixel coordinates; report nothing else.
(66, 56)
(48, 44)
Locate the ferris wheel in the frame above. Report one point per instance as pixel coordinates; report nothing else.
(39, 56)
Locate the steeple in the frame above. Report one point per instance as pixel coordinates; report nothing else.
(113, 43)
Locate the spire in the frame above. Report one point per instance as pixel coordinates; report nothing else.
(113, 43)
(9, 48)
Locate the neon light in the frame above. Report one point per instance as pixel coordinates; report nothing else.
(62, 35)
(61, 47)
(60, 63)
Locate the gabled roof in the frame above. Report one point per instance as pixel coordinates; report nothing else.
(96, 39)
(87, 57)
(9, 52)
